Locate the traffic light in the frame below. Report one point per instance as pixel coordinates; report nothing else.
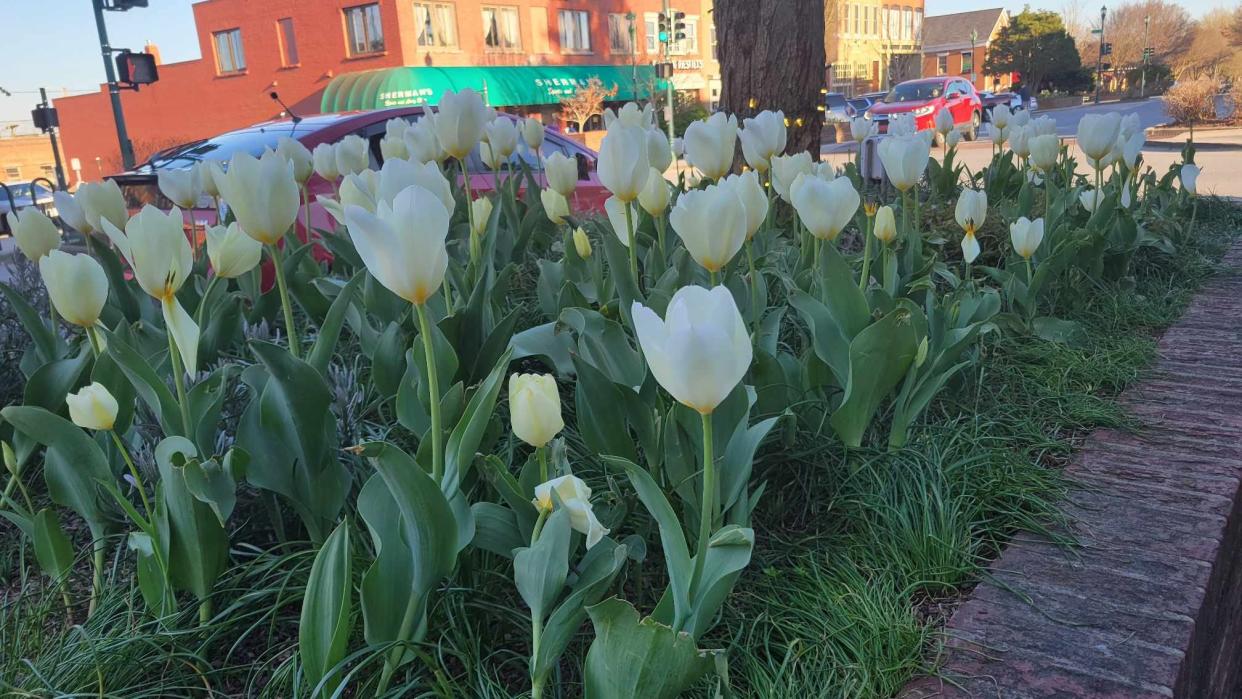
(1104, 68)
(1106, 49)
(679, 25)
(45, 118)
(123, 5)
(663, 30)
(134, 69)
(1148, 53)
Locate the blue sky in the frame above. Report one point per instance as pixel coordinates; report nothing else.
(52, 43)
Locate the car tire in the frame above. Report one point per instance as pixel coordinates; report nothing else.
(972, 131)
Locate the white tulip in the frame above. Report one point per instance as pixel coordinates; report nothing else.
(1026, 236)
(182, 187)
(482, 215)
(623, 163)
(533, 133)
(1044, 149)
(655, 196)
(700, 350)
(1045, 126)
(297, 155)
(825, 208)
(460, 120)
(493, 159)
(103, 201)
(658, 154)
(36, 235)
(1097, 133)
(861, 128)
(231, 251)
(351, 154)
(402, 245)
(396, 175)
(824, 171)
(999, 134)
(1190, 178)
(1000, 116)
(885, 229)
(394, 148)
(786, 168)
(357, 189)
(324, 160)
(1132, 148)
(575, 497)
(615, 209)
(1126, 199)
(763, 136)
(953, 139)
(422, 142)
(711, 224)
(93, 407)
(157, 249)
(535, 407)
(710, 144)
(554, 205)
(1090, 198)
(904, 159)
(748, 190)
(502, 137)
(1020, 117)
(944, 122)
(902, 125)
(970, 248)
(1020, 141)
(561, 171)
(76, 285)
(632, 115)
(679, 146)
(70, 212)
(1130, 125)
(971, 210)
(262, 194)
(209, 173)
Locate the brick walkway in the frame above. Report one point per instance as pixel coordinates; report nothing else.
(1151, 605)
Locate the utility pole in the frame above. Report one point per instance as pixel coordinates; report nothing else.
(668, 52)
(114, 90)
(51, 134)
(1099, 57)
(1146, 53)
(630, 16)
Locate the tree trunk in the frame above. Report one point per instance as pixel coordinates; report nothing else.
(772, 57)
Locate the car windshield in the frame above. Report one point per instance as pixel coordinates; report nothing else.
(860, 104)
(836, 101)
(252, 140)
(914, 92)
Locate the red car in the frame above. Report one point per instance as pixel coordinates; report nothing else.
(924, 98)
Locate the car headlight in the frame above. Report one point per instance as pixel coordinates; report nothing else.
(924, 111)
(867, 115)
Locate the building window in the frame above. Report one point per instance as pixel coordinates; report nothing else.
(229, 55)
(620, 34)
(968, 62)
(288, 42)
(364, 29)
(437, 26)
(712, 31)
(575, 31)
(651, 30)
(918, 25)
(942, 64)
(12, 172)
(907, 24)
(49, 170)
(500, 29)
(858, 19)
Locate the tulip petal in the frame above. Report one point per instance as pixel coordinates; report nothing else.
(184, 332)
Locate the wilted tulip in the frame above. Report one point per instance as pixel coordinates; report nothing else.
(748, 190)
(262, 195)
(885, 225)
(561, 172)
(35, 233)
(535, 408)
(460, 120)
(1097, 133)
(70, 212)
(102, 201)
(623, 164)
(300, 157)
(825, 208)
(351, 154)
(402, 245)
(1045, 149)
(1190, 178)
(711, 223)
(231, 251)
(575, 497)
(700, 351)
(786, 168)
(763, 136)
(710, 144)
(324, 160)
(944, 122)
(904, 160)
(554, 205)
(422, 142)
(76, 285)
(861, 128)
(658, 154)
(182, 187)
(1026, 235)
(655, 195)
(532, 133)
(582, 243)
(93, 407)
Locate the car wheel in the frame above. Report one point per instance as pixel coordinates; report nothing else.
(972, 131)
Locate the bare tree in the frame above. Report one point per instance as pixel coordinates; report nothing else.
(1076, 23)
(587, 102)
(1210, 53)
(1170, 33)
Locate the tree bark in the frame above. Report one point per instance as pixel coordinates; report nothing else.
(772, 57)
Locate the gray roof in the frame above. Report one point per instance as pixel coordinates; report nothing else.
(954, 30)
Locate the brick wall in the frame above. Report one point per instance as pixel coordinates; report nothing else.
(23, 158)
(955, 60)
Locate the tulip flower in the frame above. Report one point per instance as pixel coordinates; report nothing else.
(1045, 149)
(575, 497)
(615, 209)
(482, 214)
(1026, 235)
(659, 156)
(825, 208)
(182, 187)
(156, 247)
(396, 175)
(561, 172)
(1090, 198)
(972, 209)
(76, 286)
(1189, 175)
(70, 211)
(103, 201)
(623, 164)
(786, 168)
(1000, 116)
(748, 190)
(324, 161)
(902, 125)
(944, 122)
(1097, 134)
(262, 194)
(460, 121)
(679, 146)
(358, 189)
(885, 225)
(402, 244)
(582, 243)
(710, 144)
(1130, 125)
(655, 195)
(1132, 148)
(1020, 141)
(1045, 126)
(351, 154)
(35, 233)
(861, 129)
(502, 138)
(554, 205)
(299, 157)
(953, 139)
(533, 133)
(422, 142)
(1020, 117)
(394, 148)
(631, 115)
(535, 409)
(1126, 197)
(999, 135)
(904, 160)
(493, 159)
(93, 407)
(763, 136)
(232, 253)
(209, 173)
(712, 224)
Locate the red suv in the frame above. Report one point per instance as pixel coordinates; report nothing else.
(924, 98)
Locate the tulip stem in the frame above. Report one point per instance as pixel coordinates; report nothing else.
(285, 303)
(659, 224)
(1194, 211)
(465, 180)
(865, 280)
(53, 317)
(712, 278)
(629, 227)
(93, 337)
(707, 516)
(754, 290)
(97, 564)
(542, 454)
(536, 623)
(433, 393)
(179, 379)
(202, 304)
(133, 471)
(306, 211)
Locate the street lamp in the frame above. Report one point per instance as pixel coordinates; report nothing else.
(1146, 55)
(1099, 57)
(974, 38)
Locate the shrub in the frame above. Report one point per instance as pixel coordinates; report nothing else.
(1192, 101)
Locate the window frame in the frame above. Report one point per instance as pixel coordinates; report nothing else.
(942, 64)
(502, 12)
(965, 70)
(351, 43)
(236, 51)
(651, 32)
(625, 24)
(581, 22)
(287, 43)
(436, 9)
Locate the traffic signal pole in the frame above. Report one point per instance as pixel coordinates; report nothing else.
(668, 44)
(51, 134)
(1146, 53)
(114, 90)
(1099, 58)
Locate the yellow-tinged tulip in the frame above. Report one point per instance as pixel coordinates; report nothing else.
(754, 200)
(459, 121)
(711, 144)
(1097, 134)
(700, 350)
(711, 224)
(582, 243)
(885, 225)
(482, 214)
(35, 233)
(904, 159)
(76, 284)
(398, 174)
(825, 208)
(535, 408)
(262, 194)
(182, 187)
(70, 211)
(655, 196)
(299, 156)
(786, 168)
(554, 205)
(1026, 236)
(357, 189)
(102, 201)
(502, 138)
(231, 251)
(971, 210)
(970, 247)
(93, 407)
(351, 154)
(421, 141)
(575, 497)
(532, 133)
(623, 163)
(324, 160)
(561, 172)
(402, 245)
(763, 136)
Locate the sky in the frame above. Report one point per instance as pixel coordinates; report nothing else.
(53, 43)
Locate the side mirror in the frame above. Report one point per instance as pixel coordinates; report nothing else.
(584, 167)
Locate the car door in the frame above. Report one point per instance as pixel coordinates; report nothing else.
(961, 103)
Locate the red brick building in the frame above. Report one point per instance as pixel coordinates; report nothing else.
(948, 47)
(359, 54)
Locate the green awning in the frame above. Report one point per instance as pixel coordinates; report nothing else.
(502, 86)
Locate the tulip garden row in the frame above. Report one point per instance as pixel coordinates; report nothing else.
(561, 415)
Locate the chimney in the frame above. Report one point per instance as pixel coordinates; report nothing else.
(154, 51)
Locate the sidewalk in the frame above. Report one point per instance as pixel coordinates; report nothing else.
(1173, 138)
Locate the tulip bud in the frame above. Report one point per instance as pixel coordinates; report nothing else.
(711, 143)
(623, 164)
(575, 497)
(655, 196)
(1045, 150)
(1190, 178)
(904, 159)
(1000, 116)
(103, 202)
(299, 157)
(1020, 141)
(999, 135)
(953, 139)
(861, 128)
(76, 285)
(402, 245)
(554, 205)
(659, 156)
(825, 208)
(944, 122)
(711, 223)
(482, 208)
(1026, 235)
(460, 120)
(561, 172)
(502, 138)
(885, 225)
(263, 194)
(35, 233)
(763, 136)
(93, 407)
(532, 133)
(351, 154)
(10, 460)
(182, 187)
(1097, 134)
(1090, 198)
(324, 160)
(582, 244)
(232, 253)
(535, 408)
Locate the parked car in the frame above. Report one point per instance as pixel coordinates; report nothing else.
(837, 108)
(140, 185)
(859, 105)
(926, 96)
(24, 196)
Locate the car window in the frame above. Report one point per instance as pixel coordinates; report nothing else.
(836, 101)
(221, 147)
(914, 92)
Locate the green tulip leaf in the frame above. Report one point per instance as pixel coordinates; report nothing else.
(215, 484)
(198, 543)
(148, 384)
(327, 612)
(388, 360)
(52, 548)
(50, 383)
(464, 441)
(539, 570)
(878, 359)
(330, 331)
(44, 340)
(728, 552)
(630, 658)
(595, 574)
(496, 529)
(547, 342)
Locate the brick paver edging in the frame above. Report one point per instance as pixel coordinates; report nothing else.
(1151, 605)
